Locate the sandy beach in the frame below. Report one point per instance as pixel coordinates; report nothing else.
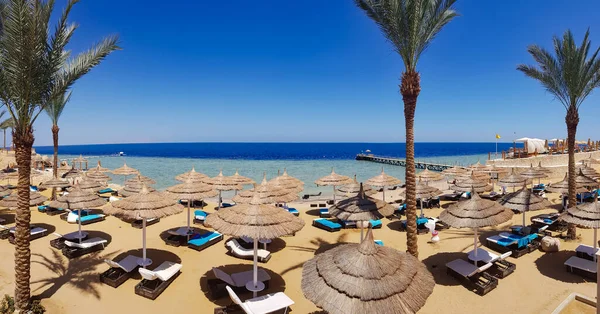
(539, 284)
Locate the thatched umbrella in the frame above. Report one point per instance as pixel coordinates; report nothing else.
(585, 215)
(55, 183)
(454, 171)
(383, 180)
(144, 205)
(524, 200)
(361, 208)
(470, 174)
(287, 177)
(590, 161)
(10, 201)
(192, 175)
(139, 179)
(472, 183)
(190, 191)
(475, 213)
(99, 168)
(541, 169)
(4, 191)
(78, 199)
(97, 175)
(291, 187)
(366, 278)
(222, 183)
(533, 173)
(424, 192)
(588, 171)
(427, 175)
(513, 180)
(353, 188)
(494, 171)
(585, 181)
(125, 171)
(73, 173)
(88, 185)
(267, 194)
(257, 221)
(477, 167)
(132, 189)
(562, 187)
(333, 179)
(241, 180)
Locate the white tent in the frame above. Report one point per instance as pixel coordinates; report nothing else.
(533, 145)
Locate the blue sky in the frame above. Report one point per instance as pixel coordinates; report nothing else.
(311, 70)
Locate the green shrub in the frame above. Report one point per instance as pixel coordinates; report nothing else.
(7, 306)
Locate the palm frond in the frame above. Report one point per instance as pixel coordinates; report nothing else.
(56, 106)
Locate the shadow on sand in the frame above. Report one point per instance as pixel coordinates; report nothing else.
(436, 264)
(552, 265)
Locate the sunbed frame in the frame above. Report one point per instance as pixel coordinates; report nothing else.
(72, 252)
(205, 245)
(481, 283)
(327, 228)
(151, 289)
(138, 223)
(115, 277)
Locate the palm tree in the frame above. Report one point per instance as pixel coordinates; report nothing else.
(35, 67)
(570, 76)
(54, 110)
(410, 25)
(5, 124)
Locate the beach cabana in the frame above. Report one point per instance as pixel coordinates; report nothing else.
(80, 160)
(257, 221)
(383, 180)
(191, 191)
(361, 209)
(349, 190)
(524, 200)
(222, 183)
(192, 175)
(333, 180)
(366, 278)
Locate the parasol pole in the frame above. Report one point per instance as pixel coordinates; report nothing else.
(595, 242)
(255, 268)
(334, 195)
(188, 215)
(220, 199)
(475, 245)
(79, 224)
(384, 193)
(523, 219)
(144, 242)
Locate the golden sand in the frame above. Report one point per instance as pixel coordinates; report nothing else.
(539, 284)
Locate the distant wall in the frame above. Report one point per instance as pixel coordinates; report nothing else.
(557, 163)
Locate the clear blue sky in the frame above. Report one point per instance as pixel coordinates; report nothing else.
(311, 70)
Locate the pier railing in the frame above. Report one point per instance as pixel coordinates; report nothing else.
(396, 161)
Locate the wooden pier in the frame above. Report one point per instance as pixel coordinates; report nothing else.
(401, 162)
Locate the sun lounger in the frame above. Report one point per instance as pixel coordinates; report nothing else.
(586, 252)
(472, 277)
(500, 266)
(59, 242)
(421, 221)
(293, 211)
(179, 236)
(75, 249)
(346, 224)
(518, 244)
(199, 242)
(33, 188)
(264, 304)
(107, 190)
(239, 251)
(139, 224)
(86, 217)
(326, 224)
(237, 281)
(35, 232)
(157, 280)
(119, 271)
(375, 224)
(582, 267)
(200, 216)
(42, 208)
(324, 213)
(51, 211)
(379, 242)
(550, 220)
(225, 205)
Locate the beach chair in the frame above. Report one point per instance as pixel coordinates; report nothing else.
(550, 220)
(199, 242)
(86, 216)
(421, 228)
(59, 242)
(375, 224)
(51, 211)
(179, 236)
(582, 267)
(326, 224)
(586, 252)
(235, 249)
(293, 211)
(35, 232)
(139, 224)
(346, 224)
(269, 303)
(379, 242)
(518, 244)
(324, 213)
(42, 208)
(237, 281)
(107, 190)
(33, 188)
(73, 249)
(200, 216)
(119, 271)
(157, 280)
(322, 204)
(472, 277)
(501, 268)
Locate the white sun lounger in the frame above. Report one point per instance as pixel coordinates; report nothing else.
(86, 244)
(496, 238)
(581, 266)
(33, 232)
(465, 268)
(242, 278)
(128, 264)
(237, 250)
(586, 249)
(119, 271)
(262, 305)
(164, 271)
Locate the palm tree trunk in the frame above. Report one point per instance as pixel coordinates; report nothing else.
(23, 144)
(572, 119)
(55, 130)
(4, 139)
(410, 87)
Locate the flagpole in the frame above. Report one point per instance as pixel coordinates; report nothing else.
(496, 157)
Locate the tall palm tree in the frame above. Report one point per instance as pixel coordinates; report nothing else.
(35, 67)
(54, 110)
(5, 124)
(570, 76)
(410, 25)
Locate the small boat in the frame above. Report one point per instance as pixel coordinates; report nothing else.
(121, 154)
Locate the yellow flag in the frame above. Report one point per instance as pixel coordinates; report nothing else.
(497, 136)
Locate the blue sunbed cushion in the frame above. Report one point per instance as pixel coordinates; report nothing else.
(375, 223)
(33, 188)
(90, 217)
(379, 242)
(42, 208)
(107, 190)
(292, 210)
(201, 239)
(226, 205)
(504, 241)
(523, 240)
(324, 210)
(422, 220)
(200, 213)
(328, 223)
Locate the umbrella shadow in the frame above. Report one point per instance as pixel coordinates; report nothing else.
(98, 234)
(320, 246)
(157, 256)
(80, 273)
(276, 245)
(436, 264)
(314, 212)
(165, 234)
(8, 218)
(551, 265)
(50, 228)
(276, 284)
(395, 225)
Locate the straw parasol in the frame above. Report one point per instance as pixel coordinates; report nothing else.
(590, 161)
(139, 179)
(477, 167)
(524, 200)
(586, 215)
(478, 175)
(64, 168)
(73, 173)
(88, 185)
(454, 171)
(98, 176)
(333, 179)
(562, 187)
(513, 180)
(10, 201)
(55, 183)
(241, 180)
(287, 177)
(361, 208)
(144, 205)
(475, 213)
(192, 175)
(353, 188)
(130, 190)
(257, 221)
(190, 191)
(267, 194)
(383, 180)
(222, 183)
(427, 175)
(366, 278)
(4, 191)
(588, 171)
(100, 168)
(424, 192)
(471, 184)
(125, 170)
(291, 187)
(541, 169)
(78, 199)
(533, 173)
(494, 173)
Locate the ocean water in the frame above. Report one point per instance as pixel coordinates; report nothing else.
(305, 161)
